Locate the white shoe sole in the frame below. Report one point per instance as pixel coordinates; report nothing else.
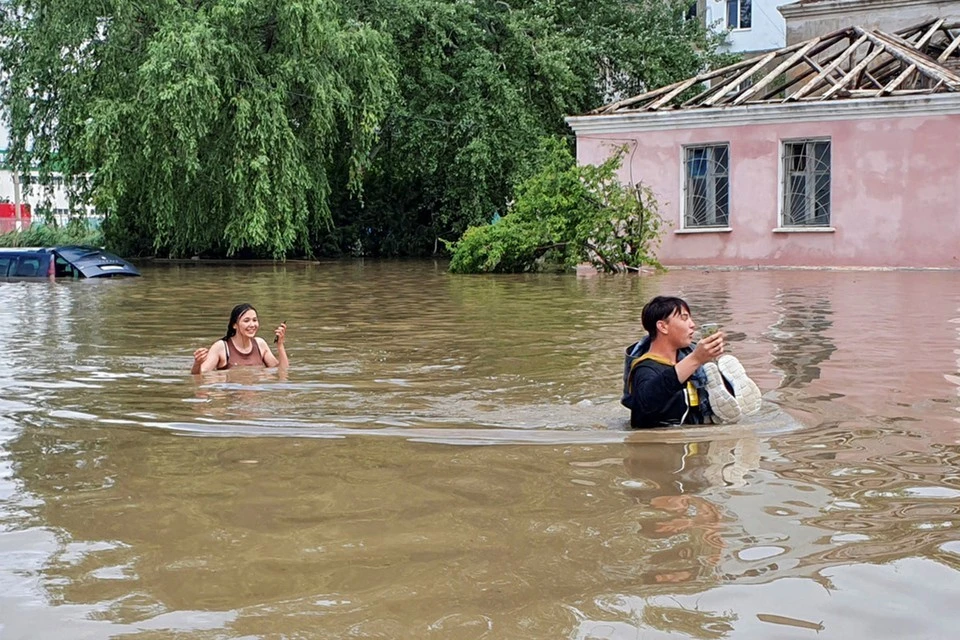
(724, 405)
(745, 390)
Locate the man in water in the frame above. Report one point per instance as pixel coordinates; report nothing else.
(669, 380)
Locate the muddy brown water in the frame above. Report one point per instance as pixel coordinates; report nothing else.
(447, 458)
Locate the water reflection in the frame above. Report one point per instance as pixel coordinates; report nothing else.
(683, 524)
(954, 376)
(801, 336)
(891, 491)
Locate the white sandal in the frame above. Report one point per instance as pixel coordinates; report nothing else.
(746, 390)
(724, 405)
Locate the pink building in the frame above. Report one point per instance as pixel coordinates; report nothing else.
(843, 150)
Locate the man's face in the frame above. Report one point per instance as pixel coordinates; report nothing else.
(678, 329)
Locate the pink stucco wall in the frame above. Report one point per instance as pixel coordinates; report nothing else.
(895, 199)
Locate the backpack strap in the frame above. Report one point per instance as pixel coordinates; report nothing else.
(647, 356)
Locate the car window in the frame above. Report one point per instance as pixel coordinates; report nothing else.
(4, 265)
(65, 270)
(27, 268)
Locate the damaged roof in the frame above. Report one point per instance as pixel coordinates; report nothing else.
(848, 63)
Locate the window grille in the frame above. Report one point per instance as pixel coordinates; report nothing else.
(806, 183)
(707, 186)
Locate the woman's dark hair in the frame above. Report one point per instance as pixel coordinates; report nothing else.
(238, 311)
(660, 308)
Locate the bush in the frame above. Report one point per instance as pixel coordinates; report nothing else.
(43, 235)
(564, 215)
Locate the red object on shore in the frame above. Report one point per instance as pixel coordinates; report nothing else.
(8, 217)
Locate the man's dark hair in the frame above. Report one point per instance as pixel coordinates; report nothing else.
(660, 308)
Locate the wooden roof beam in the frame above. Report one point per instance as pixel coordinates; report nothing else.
(814, 68)
(929, 34)
(775, 73)
(886, 70)
(837, 61)
(703, 94)
(876, 83)
(908, 56)
(667, 97)
(737, 80)
(893, 84)
(881, 72)
(648, 95)
(913, 30)
(860, 66)
(723, 87)
(870, 93)
(949, 50)
(826, 43)
(829, 76)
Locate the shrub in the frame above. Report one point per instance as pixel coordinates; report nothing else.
(43, 235)
(563, 215)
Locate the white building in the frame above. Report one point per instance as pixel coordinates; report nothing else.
(42, 200)
(754, 26)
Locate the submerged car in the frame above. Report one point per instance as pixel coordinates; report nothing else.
(63, 262)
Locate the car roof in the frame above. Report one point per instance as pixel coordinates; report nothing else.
(92, 262)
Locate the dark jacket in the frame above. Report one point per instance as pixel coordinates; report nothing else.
(654, 394)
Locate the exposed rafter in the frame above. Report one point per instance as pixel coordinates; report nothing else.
(849, 63)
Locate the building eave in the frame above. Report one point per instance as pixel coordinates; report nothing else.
(841, 7)
(760, 114)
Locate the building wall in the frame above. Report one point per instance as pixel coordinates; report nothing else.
(805, 20)
(53, 201)
(43, 201)
(767, 30)
(895, 191)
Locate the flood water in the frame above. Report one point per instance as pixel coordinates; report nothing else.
(447, 458)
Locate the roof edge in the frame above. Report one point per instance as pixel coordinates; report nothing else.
(833, 7)
(758, 114)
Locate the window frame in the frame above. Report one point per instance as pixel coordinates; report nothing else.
(27, 258)
(783, 177)
(684, 189)
(739, 4)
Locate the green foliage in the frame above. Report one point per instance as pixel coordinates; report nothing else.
(564, 215)
(285, 127)
(204, 126)
(482, 82)
(44, 235)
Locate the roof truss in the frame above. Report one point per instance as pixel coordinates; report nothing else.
(849, 63)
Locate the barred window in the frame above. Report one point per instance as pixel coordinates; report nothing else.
(706, 186)
(806, 183)
(739, 14)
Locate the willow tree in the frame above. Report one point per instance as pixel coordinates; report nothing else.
(217, 125)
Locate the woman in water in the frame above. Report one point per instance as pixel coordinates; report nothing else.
(241, 347)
